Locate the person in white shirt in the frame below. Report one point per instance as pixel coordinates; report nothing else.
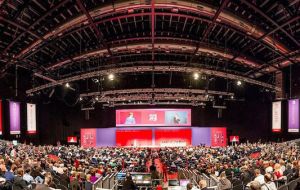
(268, 168)
(258, 177)
(27, 177)
(269, 185)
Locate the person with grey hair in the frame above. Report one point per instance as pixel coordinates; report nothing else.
(224, 183)
(255, 185)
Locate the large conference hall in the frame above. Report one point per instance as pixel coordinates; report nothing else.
(149, 94)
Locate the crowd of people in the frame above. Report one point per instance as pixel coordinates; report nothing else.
(256, 166)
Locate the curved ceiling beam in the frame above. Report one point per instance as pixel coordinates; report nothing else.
(157, 46)
(153, 69)
(224, 17)
(61, 3)
(261, 12)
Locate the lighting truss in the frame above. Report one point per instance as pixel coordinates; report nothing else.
(137, 69)
(148, 96)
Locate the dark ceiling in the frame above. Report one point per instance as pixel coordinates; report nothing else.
(57, 39)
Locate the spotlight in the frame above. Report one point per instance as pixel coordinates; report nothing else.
(80, 99)
(97, 99)
(111, 76)
(239, 83)
(196, 76)
(232, 97)
(67, 85)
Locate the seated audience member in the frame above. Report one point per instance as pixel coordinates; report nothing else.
(19, 183)
(74, 182)
(255, 185)
(268, 167)
(245, 175)
(259, 177)
(27, 177)
(64, 178)
(224, 183)
(128, 183)
(189, 186)
(93, 176)
(88, 185)
(203, 185)
(277, 171)
(269, 185)
(9, 175)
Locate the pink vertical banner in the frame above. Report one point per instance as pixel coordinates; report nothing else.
(88, 138)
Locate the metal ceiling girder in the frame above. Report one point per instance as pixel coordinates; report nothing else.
(186, 48)
(35, 22)
(263, 36)
(153, 69)
(156, 90)
(208, 29)
(210, 26)
(178, 95)
(138, 6)
(252, 6)
(18, 26)
(94, 27)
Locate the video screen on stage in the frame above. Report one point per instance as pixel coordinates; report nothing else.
(153, 117)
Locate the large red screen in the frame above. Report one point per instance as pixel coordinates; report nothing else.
(153, 117)
(137, 138)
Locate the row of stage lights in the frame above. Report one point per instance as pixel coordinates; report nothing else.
(196, 76)
(111, 77)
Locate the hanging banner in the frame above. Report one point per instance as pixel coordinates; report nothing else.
(31, 118)
(14, 115)
(276, 116)
(1, 117)
(293, 115)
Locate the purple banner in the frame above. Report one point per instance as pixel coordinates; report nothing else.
(105, 137)
(201, 135)
(14, 115)
(293, 115)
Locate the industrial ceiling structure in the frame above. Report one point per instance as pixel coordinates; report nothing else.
(66, 41)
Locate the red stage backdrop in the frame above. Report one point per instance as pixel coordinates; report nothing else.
(88, 137)
(153, 117)
(218, 137)
(175, 137)
(134, 138)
